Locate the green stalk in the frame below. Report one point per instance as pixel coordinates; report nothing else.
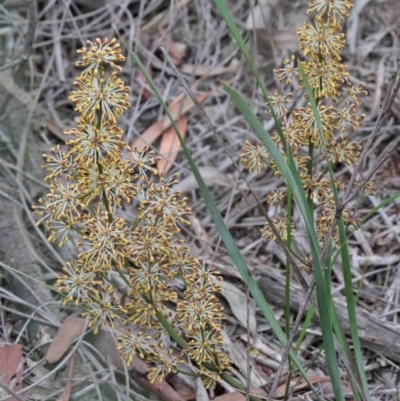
(306, 324)
(287, 282)
(288, 269)
(310, 167)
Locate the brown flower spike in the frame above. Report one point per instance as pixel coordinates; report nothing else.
(337, 102)
(89, 184)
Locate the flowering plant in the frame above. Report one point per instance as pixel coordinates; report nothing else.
(125, 271)
(337, 101)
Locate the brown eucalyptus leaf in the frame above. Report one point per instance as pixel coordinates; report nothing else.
(170, 146)
(69, 331)
(181, 105)
(11, 366)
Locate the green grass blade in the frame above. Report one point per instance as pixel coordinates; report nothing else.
(294, 183)
(226, 237)
(351, 307)
(226, 15)
(306, 325)
(288, 266)
(384, 203)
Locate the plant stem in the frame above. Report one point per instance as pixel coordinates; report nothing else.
(310, 166)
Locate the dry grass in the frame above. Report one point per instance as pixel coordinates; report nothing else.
(373, 35)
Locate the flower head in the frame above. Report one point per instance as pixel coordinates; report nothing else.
(96, 95)
(105, 241)
(104, 311)
(305, 120)
(78, 284)
(56, 163)
(336, 9)
(281, 225)
(321, 40)
(288, 72)
(101, 51)
(92, 144)
(254, 157)
(326, 77)
(279, 103)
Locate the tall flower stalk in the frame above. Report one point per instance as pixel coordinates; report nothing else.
(125, 274)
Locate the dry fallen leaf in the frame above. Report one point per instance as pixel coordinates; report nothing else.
(149, 136)
(66, 394)
(170, 145)
(352, 26)
(11, 366)
(69, 331)
(199, 230)
(178, 107)
(369, 43)
(260, 15)
(270, 40)
(181, 387)
(104, 342)
(201, 392)
(379, 82)
(274, 24)
(26, 99)
(237, 351)
(163, 390)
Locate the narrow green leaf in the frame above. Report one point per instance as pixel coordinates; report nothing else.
(384, 203)
(306, 325)
(226, 15)
(288, 266)
(351, 307)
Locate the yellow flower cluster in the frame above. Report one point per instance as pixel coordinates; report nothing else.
(337, 102)
(136, 262)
